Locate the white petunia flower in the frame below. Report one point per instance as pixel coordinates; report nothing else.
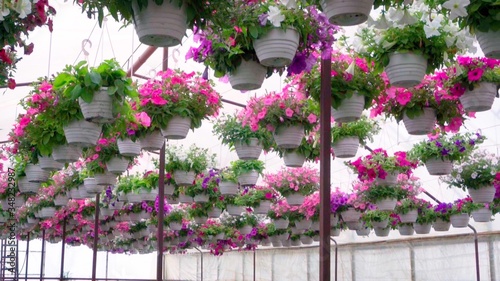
(457, 8)
(5, 12)
(432, 29)
(350, 69)
(275, 16)
(23, 7)
(473, 175)
(407, 19)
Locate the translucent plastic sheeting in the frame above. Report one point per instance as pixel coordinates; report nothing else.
(428, 259)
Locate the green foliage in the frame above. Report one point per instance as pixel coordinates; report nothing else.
(176, 215)
(348, 79)
(369, 217)
(240, 167)
(405, 206)
(482, 15)
(82, 81)
(378, 192)
(194, 159)
(230, 130)
(253, 197)
(426, 215)
(199, 209)
(364, 128)
(227, 174)
(478, 170)
(455, 148)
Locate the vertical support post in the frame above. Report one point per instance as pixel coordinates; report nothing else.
(2, 259)
(491, 255)
(16, 274)
(412, 263)
(63, 249)
(201, 261)
(336, 257)
(27, 257)
(107, 263)
(96, 237)
(42, 260)
(161, 195)
(254, 265)
(325, 146)
(476, 251)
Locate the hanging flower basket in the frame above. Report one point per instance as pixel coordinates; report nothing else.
(350, 109)
(281, 223)
(245, 230)
(177, 128)
(277, 48)
(350, 215)
(306, 240)
(390, 179)
(176, 226)
(248, 76)
(441, 225)
(345, 12)
(48, 163)
(248, 179)
(409, 217)
(250, 151)
(160, 25)
(335, 232)
(47, 212)
(117, 165)
(134, 198)
(26, 187)
(482, 215)
(91, 187)
(263, 208)
(228, 188)
(381, 224)
(183, 178)
(303, 224)
(105, 179)
(293, 159)
(200, 220)
(82, 133)
(406, 69)
(489, 43)
(149, 195)
(481, 98)
(100, 110)
(35, 174)
(127, 147)
(234, 210)
(66, 153)
(422, 124)
(484, 194)
(61, 200)
(152, 141)
(346, 147)
(460, 220)
(363, 231)
(295, 199)
(201, 198)
(289, 137)
(387, 204)
(382, 232)
(185, 199)
(169, 189)
(438, 167)
(406, 230)
(214, 213)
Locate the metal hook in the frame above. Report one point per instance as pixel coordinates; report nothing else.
(84, 44)
(175, 55)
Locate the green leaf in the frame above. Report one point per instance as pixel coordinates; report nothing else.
(62, 79)
(87, 96)
(76, 92)
(95, 78)
(254, 32)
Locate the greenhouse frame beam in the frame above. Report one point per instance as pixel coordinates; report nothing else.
(63, 249)
(476, 242)
(325, 169)
(27, 257)
(201, 263)
(336, 256)
(42, 259)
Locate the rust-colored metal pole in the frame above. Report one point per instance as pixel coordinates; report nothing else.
(27, 257)
(141, 60)
(61, 276)
(161, 195)
(42, 260)
(96, 237)
(324, 192)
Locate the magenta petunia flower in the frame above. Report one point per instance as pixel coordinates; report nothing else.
(475, 75)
